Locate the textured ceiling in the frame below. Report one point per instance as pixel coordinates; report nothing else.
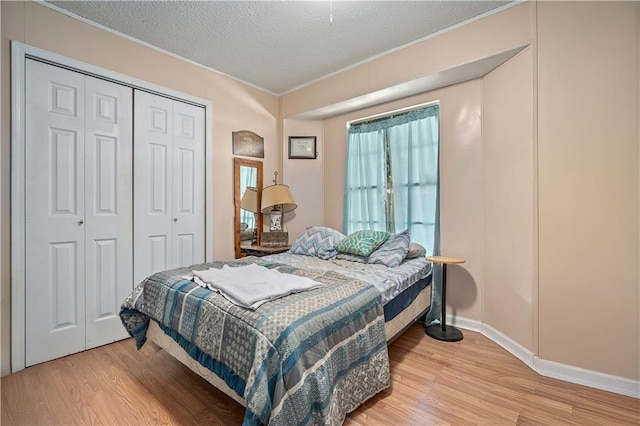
(278, 45)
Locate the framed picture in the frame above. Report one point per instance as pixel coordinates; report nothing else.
(248, 144)
(303, 147)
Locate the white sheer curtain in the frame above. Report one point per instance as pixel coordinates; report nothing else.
(413, 145)
(408, 144)
(365, 180)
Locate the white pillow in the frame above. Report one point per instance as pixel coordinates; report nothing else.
(416, 250)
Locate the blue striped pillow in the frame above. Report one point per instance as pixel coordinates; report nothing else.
(352, 258)
(393, 251)
(317, 241)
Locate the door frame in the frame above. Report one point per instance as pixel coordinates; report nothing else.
(20, 52)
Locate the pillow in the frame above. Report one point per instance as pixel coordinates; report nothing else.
(416, 250)
(317, 241)
(247, 234)
(393, 251)
(352, 258)
(362, 243)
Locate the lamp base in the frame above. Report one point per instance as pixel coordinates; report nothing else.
(254, 239)
(274, 239)
(276, 221)
(449, 334)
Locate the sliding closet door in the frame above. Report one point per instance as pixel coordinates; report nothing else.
(152, 182)
(109, 208)
(54, 210)
(188, 184)
(168, 184)
(78, 225)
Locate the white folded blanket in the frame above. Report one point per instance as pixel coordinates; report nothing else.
(252, 285)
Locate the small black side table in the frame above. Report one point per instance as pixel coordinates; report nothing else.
(442, 331)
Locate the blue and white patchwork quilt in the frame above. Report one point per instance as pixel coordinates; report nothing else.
(307, 358)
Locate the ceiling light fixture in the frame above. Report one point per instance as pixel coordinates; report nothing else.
(330, 12)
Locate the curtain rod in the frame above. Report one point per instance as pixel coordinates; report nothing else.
(390, 114)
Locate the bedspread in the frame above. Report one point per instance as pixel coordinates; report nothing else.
(308, 358)
(389, 281)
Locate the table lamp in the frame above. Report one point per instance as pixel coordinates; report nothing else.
(277, 200)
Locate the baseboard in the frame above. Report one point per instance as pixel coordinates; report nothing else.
(517, 350)
(556, 370)
(585, 377)
(466, 323)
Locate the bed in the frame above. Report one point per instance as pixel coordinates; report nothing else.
(307, 358)
(405, 290)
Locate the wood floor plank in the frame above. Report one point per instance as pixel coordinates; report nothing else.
(472, 382)
(529, 416)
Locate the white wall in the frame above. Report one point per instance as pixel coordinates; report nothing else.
(304, 177)
(588, 143)
(510, 228)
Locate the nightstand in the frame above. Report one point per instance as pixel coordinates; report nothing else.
(442, 331)
(260, 251)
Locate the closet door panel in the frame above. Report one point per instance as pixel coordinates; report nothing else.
(153, 184)
(54, 213)
(188, 184)
(109, 205)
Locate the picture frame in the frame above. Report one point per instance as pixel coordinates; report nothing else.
(248, 144)
(302, 147)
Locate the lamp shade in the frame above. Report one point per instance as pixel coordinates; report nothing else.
(249, 200)
(277, 197)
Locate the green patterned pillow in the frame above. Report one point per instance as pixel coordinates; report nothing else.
(362, 243)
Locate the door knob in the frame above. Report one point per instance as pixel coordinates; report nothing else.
(175, 219)
(80, 222)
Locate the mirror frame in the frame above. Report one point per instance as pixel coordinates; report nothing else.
(237, 163)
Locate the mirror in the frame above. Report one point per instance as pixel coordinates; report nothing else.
(247, 183)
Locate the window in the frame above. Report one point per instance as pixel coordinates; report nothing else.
(391, 178)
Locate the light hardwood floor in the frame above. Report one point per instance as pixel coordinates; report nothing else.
(433, 383)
